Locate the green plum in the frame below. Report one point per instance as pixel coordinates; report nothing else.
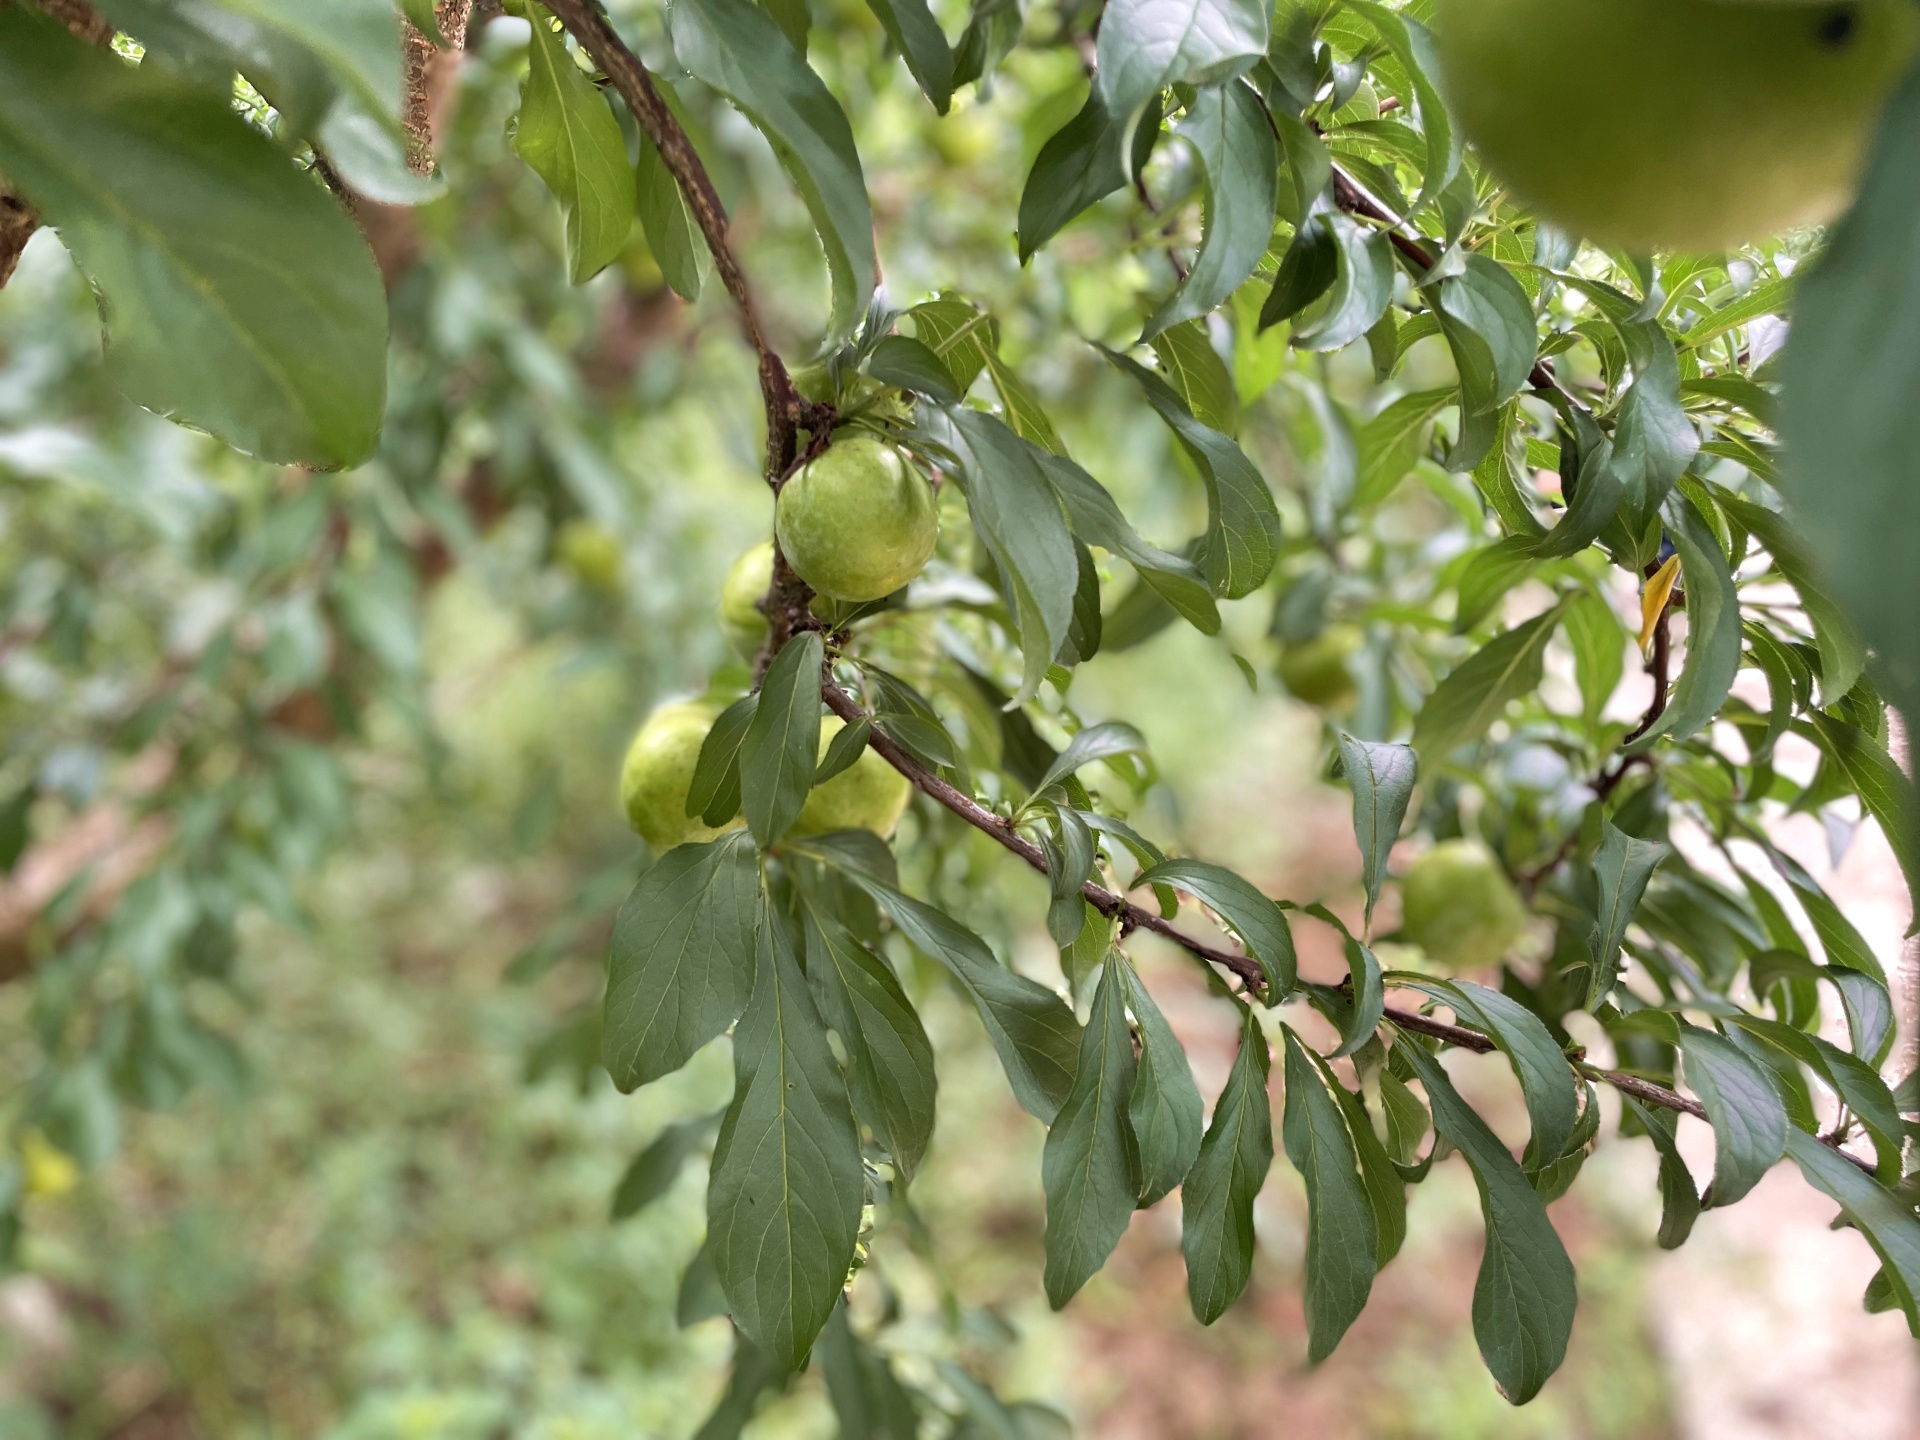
(1457, 904)
(858, 522)
(868, 795)
(740, 596)
(658, 772)
(1675, 124)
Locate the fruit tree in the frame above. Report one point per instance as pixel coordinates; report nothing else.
(1424, 355)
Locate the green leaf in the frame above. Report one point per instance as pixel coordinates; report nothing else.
(1748, 1118)
(1392, 441)
(1679, 1201)
(1146, 45)
(1653, 441)
(1386, 1191)
(655, 1168)
(1413, 47)
(1361, 290)
(357, 40)
(673, 235)
(868, 1399)
(1842, 653)
(715, 787)
(912, 365)
(1091, 1165)
(1216, 1202)
(1097, 520)
(1340, 1233)
(754, 1372)
(1243, 523)
(1488, 323)
(781, 749)
(844, 750)
(1713, 627)
(1307, 272)
(1228, 129)
(960, 333)
(238, 298)
(736, 48)
(1622, 868)
(1366, 993)
(1546, 1080)
(1021, 410)
(915, 33)
(1381, 777)
(783, 1206)
(1081, 163)
(1524, 1300)
(1019, 517)
(1889, 1224)
(1258, 921)
(1883, 787)
(1198, 375)
(681, 963)
(1165, 1108)
(1599, 654)
(890, 1060)
(1032, 1029)
(1477, 693)
(1490, 574)
(566, 132)
(1856, 1083)
(1096, 742)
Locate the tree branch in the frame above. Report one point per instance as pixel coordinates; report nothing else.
(786, 412)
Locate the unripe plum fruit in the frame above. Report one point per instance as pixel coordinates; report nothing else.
(658, 772)
(1675, 124)
(857, 522)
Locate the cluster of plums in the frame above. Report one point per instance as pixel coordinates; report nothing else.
(856, 523)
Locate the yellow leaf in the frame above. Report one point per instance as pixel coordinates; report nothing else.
(1653, 599)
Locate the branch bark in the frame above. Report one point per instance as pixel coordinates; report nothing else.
(786, 412)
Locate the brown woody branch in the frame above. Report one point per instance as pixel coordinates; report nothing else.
(786, 412)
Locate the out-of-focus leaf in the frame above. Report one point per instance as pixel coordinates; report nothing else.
(1842, 654)
(1391, 442)
(237, 296)
(673, 235)
(915, 33)
(682, 960)
(868, 1399)
(1081, 163)
(1477, 693)
(655, 1168)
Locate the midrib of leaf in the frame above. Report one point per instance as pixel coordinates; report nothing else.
(185, 273)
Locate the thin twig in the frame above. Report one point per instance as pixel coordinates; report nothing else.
(786, 412)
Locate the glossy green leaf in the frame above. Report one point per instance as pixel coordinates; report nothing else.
(1091, 1165)
(1381, 777)
(781, 749)
(1524, 1299)
(566, 132)
(912, 364)
(917, 35)
(1749, 1121)
(1198, 375)
(1103, 741)
(1361, 290)
(1621, 869)
(1147, 45)
(1340, 1231)
(682, 960)
(1679, 1201)
(1713, 627)
(1307, 272)
(1546, 1079)
(1216, 1202)
(1488, 323)
(783, 1206)
(1257, 920)
(714, 792)
(735, 47)
(1097, 520)
(237, 296)
(1165, 1108)
(1032, 1029)
(1228, 129)
(1413, 47)
(1479, 690)
(1889, 1225)
(1243, 523)
(1857, 1084)
(889, 1069)
(1080, 164)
